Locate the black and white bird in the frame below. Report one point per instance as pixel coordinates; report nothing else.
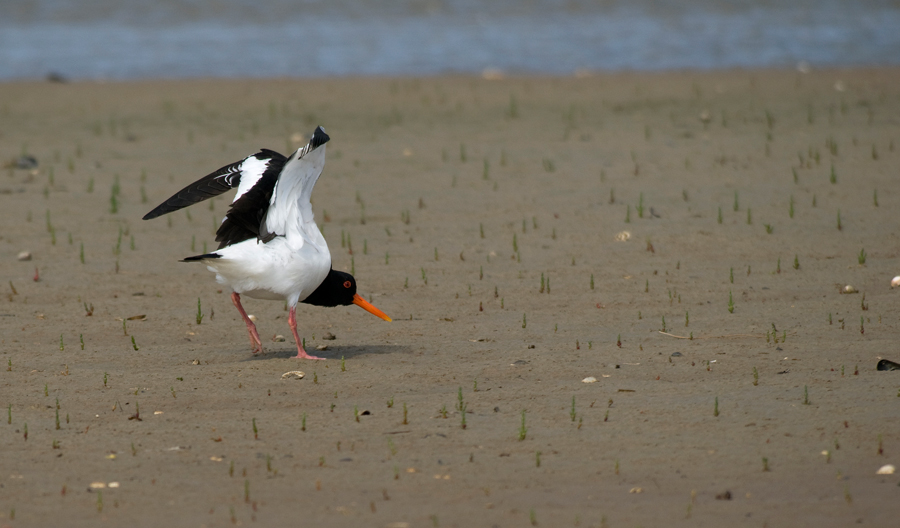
(269, 245)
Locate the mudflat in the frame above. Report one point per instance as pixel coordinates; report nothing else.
(618, 300)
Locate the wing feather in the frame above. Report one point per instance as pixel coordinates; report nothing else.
(291, 200)
(248, 212)
(246, 172)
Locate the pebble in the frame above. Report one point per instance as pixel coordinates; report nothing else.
(329, 336)
(887, 469)
(24, 255)
(886, 364)
(676, 354)
(895, 282)
(589, 379)
(278, 339)
(849, 289)
(623, 236)
(252, 317)
(26, 162)
(321, 347)
(293, 374)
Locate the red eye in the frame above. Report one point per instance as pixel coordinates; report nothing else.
(347, 284)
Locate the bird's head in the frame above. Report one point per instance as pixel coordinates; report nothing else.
(339, 289)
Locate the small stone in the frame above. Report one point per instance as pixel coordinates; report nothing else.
(886, 364)
(26, 255)
(26, 162)
(321, 347)
(252, 317)
(895, 282)
(849, 289)
(293, 374)
(887, 469)
(113, 485)
(677, 354)
(329, 336)
(195, 362)
(98, 485)
(589, 379)
(636, 490)
(278, 339)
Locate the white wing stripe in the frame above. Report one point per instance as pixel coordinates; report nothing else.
(252, 170)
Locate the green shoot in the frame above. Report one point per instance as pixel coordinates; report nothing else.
(523, 431)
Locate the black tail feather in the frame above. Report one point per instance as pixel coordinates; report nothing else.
(201, 257)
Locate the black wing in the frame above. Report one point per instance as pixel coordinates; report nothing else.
(247, 216)
(211, 185)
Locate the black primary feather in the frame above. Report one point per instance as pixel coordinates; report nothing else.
(216, 183)
(318, 139)
(209, 186)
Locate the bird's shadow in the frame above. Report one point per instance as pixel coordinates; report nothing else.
(334, 352)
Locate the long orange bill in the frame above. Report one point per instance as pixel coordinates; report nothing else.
(365, 305)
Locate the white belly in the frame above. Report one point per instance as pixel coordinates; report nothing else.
(271, 271)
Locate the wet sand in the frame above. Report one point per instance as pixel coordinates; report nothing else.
(640, 202)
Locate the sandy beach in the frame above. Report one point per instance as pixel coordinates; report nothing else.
(685, 239)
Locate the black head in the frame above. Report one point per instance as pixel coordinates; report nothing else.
(338, 289)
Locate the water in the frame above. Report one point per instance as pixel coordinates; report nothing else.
(131, 39)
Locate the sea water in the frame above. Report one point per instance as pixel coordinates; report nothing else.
(133, 39)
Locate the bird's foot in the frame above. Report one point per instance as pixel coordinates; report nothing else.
(301, 354)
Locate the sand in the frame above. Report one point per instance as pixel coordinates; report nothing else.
(453, 200)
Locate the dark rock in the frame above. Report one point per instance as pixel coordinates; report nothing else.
(26, 162)
(56, 77)
(886, 364)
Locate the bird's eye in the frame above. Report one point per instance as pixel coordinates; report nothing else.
(347, 284)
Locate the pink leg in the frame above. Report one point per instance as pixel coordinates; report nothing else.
(251, 328)
(292, 321)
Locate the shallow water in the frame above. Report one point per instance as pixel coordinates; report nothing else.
(234, 38)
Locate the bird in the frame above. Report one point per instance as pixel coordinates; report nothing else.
(269, 245)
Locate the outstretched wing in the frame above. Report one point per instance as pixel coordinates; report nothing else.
(242, 174)
(291, 199)
(247, 216)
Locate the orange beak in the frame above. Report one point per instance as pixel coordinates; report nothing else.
(362, 303)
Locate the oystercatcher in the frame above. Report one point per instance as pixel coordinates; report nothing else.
(269, 246)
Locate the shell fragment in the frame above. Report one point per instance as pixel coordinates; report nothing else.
(887, 469)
